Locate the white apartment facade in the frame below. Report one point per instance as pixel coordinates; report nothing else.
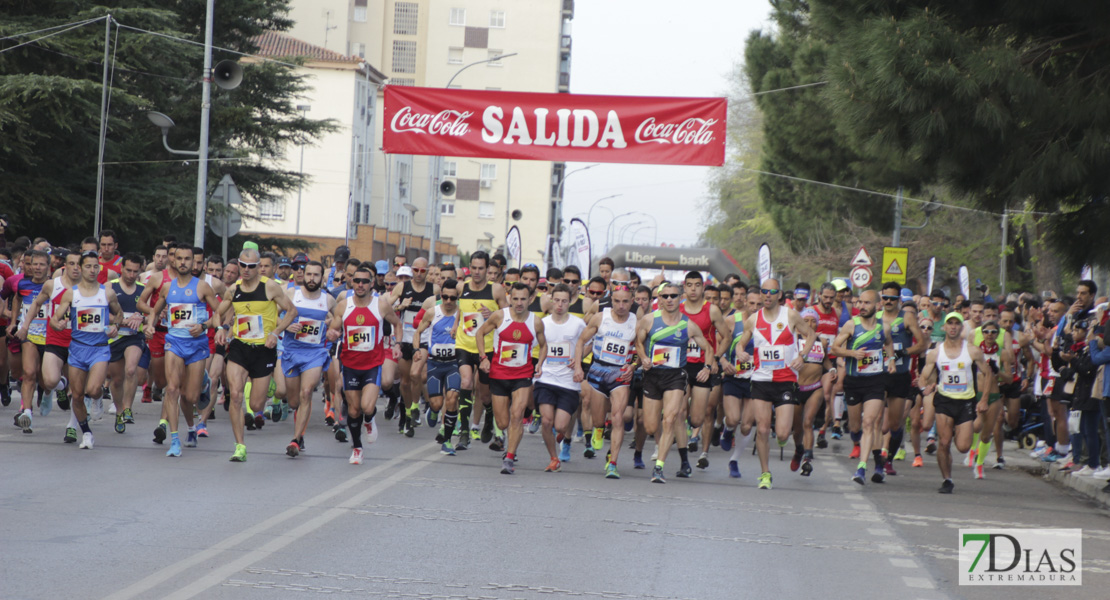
(428, 43)
(337, 192)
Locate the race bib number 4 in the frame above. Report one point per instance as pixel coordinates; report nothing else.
(471, 322)
(872, 363)
(665, 356)
(90, 320)
(514, 355)
(772, 358)
(183, 316)
(361, 339)
(559, 354)
(311, 332)
(249, 327)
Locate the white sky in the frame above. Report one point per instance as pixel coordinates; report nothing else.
(651, 48)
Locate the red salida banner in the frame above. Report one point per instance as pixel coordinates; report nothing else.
(556, 127)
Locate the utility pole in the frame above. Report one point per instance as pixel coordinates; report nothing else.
(103, 130)
(1002, 256)
(898, 219)
(205, 111)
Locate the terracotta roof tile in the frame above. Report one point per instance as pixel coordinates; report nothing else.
(278, 45)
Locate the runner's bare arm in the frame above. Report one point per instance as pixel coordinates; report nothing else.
(487, 328)
(61, 313)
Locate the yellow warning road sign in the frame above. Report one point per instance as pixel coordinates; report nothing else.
(895, 264)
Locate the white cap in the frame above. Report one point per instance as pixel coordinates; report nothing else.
(404, 271)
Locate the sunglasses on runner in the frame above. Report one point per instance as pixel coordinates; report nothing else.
(595, 292)
(571, 281)
(419, 270)
(668, 296)
(451, 298)
(362, 280)
(247, 265)
(891, 298)
(390, 283)
(769, 292)
(990, 332)
(615, 282)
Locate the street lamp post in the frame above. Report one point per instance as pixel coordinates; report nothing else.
(596, 202)
(556, 240)
(304, 108)
(609, 231)
(437, 196)
(620, 235)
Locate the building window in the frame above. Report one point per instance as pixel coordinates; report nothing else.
(447, 208)
(359, 15)
(404, 57)
(450, 168)
(405, 18)
(407, 81)
(404, 176)
(272, 209)
(489, 171)
(495, 54)
(485, 210)
(458, 17)
(497, 19)
(358, 50)
(454, 56)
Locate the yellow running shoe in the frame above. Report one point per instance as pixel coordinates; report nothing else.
(240, 453)
(765, 481)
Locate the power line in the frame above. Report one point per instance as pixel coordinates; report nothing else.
(793, 87)
(75, 25)
(187, 41)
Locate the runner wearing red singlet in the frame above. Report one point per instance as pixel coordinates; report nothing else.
(832, 383)
(157, 343)
(515, 331)
(56, 350)
(709, 318)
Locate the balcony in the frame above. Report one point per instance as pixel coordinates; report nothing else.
(564, 82)
(564, 45)
(568, 8)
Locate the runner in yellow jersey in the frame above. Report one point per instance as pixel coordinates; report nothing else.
(249, 311)
(478, 298)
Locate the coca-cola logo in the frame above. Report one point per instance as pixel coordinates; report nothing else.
(692, 131)
(445, 122)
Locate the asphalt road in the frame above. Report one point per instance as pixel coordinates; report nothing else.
(124, 521)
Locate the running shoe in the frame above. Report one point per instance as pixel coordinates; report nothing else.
(160, 433)
(888, 468)
(71, 435)
(86, 441)
(807, 467)
(498, 444)
(248, 421)
(979, 472)
(507, 467)
(554, 466)
(1052, 456)
(878, 476)
(999, 464)
(726, 440)
(796, 461)
(946, 487)
(821, 441)
(433, 418)
(390, 409)
(487, 427)
(564, 451)
(598, 440)
(414, 416)
(340, 434)
(356, 456)
(684, 471)
(611, 471)
(931, 447)
(293, 449)
(475, 433)
(657, 475)
(128, 417)
(765, 481)
(734, 469)
(535, 425)
(463, 443)
(275, 411)
(240, 454)
(589, 451)
(410, 428)
(46, 404)
(692, 446)
(5, 395)
(703, 460)
(447, 448)
(62, 398)
(157, 394)
(855, 452)
(969, 461)
(191, 439)
(900, 454)
(638, 461)
(860, 476)
(918, 461)
(121, 425)
(175, 447)
(329, 415)
(97, 409)
(202, 429)
(835, 433)
(147, 399)
(372, 430)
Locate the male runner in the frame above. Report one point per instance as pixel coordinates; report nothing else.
(251, 307)
(361, 317)
(908, 341)
(57, 340)
(30, 329)
(438, 351)
(612, 335)
(1000, 359)
(478, 299)
(515, 330)
(952, 362)
(864, 381)
(710, 320)
(737, 384)
(409, 298)
(556, 391)
(110, 261)
(91, 314)
(774, 329)
(128, 345)
(661, 342)
(305, 356)
(187, 300)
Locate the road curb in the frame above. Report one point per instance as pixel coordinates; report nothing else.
(1087, 486)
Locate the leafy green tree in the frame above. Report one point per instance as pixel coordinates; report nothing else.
(50, 93)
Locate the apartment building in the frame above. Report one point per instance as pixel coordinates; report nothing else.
(436, 43)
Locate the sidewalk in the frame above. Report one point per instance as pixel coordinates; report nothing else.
(1019, 459)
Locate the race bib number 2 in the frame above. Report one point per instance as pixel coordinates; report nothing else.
(514, 355)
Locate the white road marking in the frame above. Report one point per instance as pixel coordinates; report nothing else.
(903, 563)
(918, 582)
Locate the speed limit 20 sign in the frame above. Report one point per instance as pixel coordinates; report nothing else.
(861, 277)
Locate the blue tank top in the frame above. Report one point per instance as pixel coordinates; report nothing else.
(184, 308)
(88, 317)
(442, 345)
(667, 343)
(311, 314)
(902, 340)
(870, 341)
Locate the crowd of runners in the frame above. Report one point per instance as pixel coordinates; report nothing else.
(483, 354)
